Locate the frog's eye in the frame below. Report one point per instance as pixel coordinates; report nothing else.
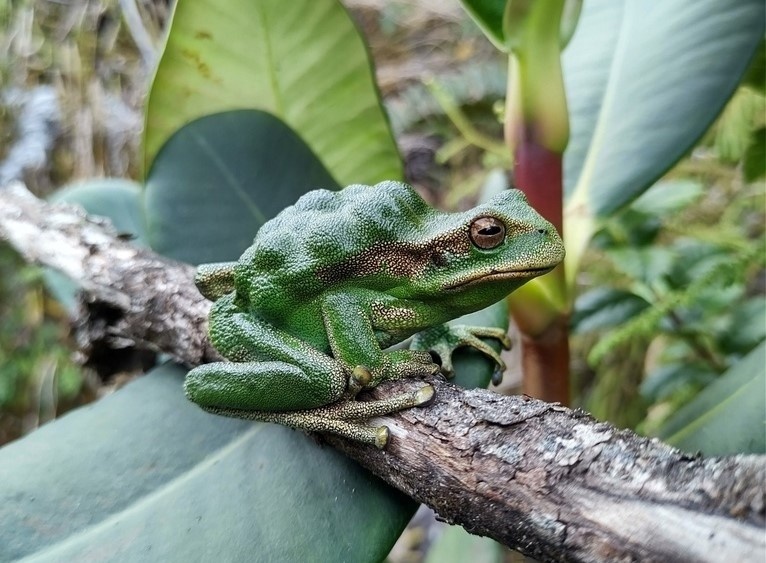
(487, 232)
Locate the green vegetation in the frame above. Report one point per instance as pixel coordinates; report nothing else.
(664, 280)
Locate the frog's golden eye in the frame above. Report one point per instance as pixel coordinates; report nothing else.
(487, 232)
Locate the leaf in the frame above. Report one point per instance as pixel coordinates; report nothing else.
(745, 327)
(218, 179)
(116, 199)
(648, 264)
(303, 61)
(144, 474)
(488, 15)
(728, 416)
(644, 82)
(670, 378)
(699, 259)
(627, 228)
(605, 307)
(668, 196)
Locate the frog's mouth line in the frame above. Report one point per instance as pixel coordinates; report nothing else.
(528, 273)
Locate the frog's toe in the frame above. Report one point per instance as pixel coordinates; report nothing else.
(422, 357)
(497, 375)
(382, 434)
(409, 364)
(471, 332)
(360, 378)
(441, 355)
(506, 342)
(424, 395)
(412, 370)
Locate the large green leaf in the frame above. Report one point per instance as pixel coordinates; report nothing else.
(729, 415)
(218, 179)
(302, 60)
(644, 81)
(144, 475)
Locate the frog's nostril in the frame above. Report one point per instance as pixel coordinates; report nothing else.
(542, 231)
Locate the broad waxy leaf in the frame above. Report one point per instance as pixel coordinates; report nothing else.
(644, 81)
(303, 61)
(218, 179)
(729, 415)
(144, 474)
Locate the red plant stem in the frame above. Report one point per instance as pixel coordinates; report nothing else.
(537, 172)
(545, 363)
(545, 355)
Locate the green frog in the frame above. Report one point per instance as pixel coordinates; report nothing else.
(306, 315)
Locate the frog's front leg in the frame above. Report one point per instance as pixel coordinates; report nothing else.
(444, 339)
(350, 332)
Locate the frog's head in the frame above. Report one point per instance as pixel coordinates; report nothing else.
(479, 256)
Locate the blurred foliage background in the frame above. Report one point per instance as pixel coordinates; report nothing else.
(672, 292)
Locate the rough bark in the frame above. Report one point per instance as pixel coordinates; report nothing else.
(560, 486)
(541, 478)
(130, 294)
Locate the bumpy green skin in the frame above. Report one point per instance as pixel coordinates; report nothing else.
(328, 283)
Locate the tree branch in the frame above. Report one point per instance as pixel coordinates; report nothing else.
(130, 294)
(550, 482)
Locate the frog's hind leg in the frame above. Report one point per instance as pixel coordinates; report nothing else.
(266, 386)
(275, 377)
(342, 419)
(248, 391)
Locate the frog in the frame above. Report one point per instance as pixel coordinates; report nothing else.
(308, 315)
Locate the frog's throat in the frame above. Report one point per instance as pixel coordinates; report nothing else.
(495, 275)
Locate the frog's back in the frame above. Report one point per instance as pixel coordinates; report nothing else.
(320, 231)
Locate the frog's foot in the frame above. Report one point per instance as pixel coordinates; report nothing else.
(443, 340)
(342, 418)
